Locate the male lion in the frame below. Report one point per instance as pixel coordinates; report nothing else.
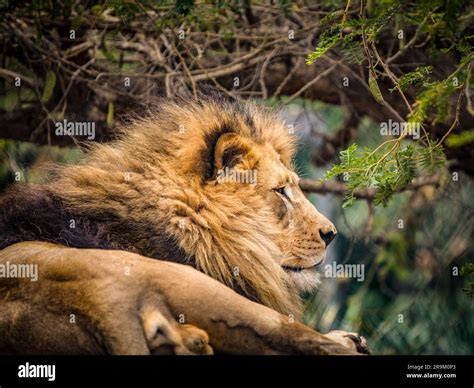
(209, 184)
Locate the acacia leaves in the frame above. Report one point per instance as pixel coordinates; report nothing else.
(429, 97)
(389, 168)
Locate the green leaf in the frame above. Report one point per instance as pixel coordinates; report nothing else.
(432, 157)
(353, 52)
(325, 44)
(330, 17)
(385, 188)
(348, 200)
(348, 155)
(374, 89)
(406, 166)
(461, 139)
(418, 76)
(48, 87)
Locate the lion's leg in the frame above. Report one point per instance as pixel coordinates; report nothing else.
(234, 323)
(29, 328)
(115, 313)
(122, 336)
(74, 309)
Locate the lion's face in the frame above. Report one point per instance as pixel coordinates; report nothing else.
(304, 233)
(307, 233)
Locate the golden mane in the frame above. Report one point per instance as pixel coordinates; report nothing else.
(155, 177)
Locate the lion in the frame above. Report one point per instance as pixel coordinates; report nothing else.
(91, 301)
(208, 184)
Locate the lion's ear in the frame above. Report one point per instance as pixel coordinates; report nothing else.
(234, 151)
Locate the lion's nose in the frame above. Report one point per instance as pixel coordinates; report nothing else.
(326, 229)
(327, 236)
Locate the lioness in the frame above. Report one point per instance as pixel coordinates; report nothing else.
(208, 184)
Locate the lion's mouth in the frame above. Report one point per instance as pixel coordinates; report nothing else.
(301, 268)
(298, 269)
(306, 279)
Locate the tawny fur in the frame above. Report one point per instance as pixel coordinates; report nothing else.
(158, 179)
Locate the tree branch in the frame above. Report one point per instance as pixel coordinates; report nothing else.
(339, 188)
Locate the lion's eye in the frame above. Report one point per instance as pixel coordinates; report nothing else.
(281, 191)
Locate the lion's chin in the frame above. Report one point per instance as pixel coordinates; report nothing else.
(306, 280)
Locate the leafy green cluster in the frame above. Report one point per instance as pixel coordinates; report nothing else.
(434, 96)
(327, 42)
(386, 171)
(408, 271)
(392, 165)
(415, 77)
(348, 34)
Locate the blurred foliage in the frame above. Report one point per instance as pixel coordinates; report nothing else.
(468, 271)
(394, 164)
(412, 299)
(26, 162)
(458, 140)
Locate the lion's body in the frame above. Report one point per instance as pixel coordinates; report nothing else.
(95, 301)
(158, 192)
(155, 192)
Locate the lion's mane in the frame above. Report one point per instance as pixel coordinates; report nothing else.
(148, 192)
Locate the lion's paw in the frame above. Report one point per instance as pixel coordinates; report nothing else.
(195, 339)
(352, 341)
(166, 336)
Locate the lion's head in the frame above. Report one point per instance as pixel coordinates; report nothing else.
(210, 183)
